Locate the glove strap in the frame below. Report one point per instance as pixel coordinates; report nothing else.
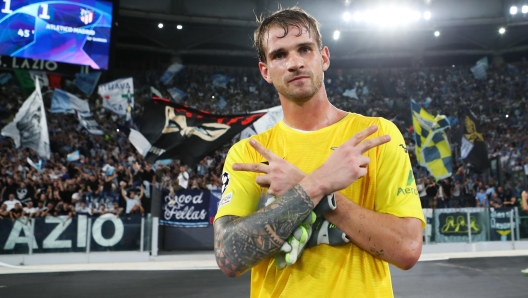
(327, 204)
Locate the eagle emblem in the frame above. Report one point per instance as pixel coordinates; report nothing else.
(472, 133)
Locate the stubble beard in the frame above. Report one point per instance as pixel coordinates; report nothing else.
(301, 96)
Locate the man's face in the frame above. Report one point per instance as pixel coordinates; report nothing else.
(294, 63)
(11, 197)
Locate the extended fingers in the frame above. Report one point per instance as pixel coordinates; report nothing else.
(366, 145)
(251, 167)
(265, 152)
(360, 136)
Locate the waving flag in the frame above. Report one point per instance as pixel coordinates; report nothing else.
(86, 82)
(473, 149)
(29, 129)
(64, 102)
(178, 132)
(220, 80)
(171, 72)
(176, 94)
(432, 146)
(118, 95)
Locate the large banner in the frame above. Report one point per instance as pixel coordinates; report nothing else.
(29, 129)
(501, 220)
(187, 208)
(87, 121)
(56, 234)
(272, 116)
(7, 62)
(452, 225)
(178, 132)
(86, 82)
(118, 95)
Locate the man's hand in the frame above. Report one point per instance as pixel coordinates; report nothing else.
(280, 175)
(345, 165)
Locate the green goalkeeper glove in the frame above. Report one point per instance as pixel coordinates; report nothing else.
(325, 232)
(293, 247)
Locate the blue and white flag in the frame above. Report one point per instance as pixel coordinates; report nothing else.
(73, 156)
(37, 166)
(187, 208)
(220, 80)
(64, 102)
(176, 94)
(87, 121)
(171, 72)
(118, 95)
(5, 77)
(29, 129)
(86, 82)
(222, 103)
(155, 92)
(428, 101)
(479, 70)
(351, 93)
(365, 90)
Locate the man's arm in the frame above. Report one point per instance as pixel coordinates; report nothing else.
(242, 242)
(393, 239)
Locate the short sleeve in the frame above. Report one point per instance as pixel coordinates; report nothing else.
(240, 192)
(396, 191)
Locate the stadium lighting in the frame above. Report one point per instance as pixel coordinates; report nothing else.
(416, 15)
(337, 34)
(437, 33)
(427, 15)
(179, 27)
(507, 115)
(357, 17)
(160, 25)
(502, 30)
(513, 10)
(347, 16)
(524, 9)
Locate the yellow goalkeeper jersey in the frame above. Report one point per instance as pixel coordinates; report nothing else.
(323, 270)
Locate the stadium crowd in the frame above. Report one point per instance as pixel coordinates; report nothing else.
(111, 177)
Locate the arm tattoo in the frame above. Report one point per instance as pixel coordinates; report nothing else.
(242, 242)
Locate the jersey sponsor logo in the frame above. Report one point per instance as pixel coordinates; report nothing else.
(225, 181)
(225, 199)
(407, 189)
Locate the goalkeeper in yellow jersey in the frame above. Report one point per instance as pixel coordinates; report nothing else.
(316, 155)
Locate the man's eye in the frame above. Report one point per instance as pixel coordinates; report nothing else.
(305, 49)
(279, 56)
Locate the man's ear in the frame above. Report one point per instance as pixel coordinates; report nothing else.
(325, 56)
(265, 72)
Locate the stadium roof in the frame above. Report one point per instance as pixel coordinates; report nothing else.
(222, 30)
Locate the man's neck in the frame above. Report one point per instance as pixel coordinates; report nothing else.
(315, 114)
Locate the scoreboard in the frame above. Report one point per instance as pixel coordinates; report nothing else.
(71, 31)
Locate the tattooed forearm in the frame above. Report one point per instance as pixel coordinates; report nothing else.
(242, 242)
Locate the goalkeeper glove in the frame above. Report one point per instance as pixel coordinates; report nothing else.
(327, 233)
(323, 230)
(293, 247)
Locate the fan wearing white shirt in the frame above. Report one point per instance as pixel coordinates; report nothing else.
(30, 211)
(133, 202)
(183, 178)
(11, 202)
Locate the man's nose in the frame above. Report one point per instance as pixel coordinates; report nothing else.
(295, 62)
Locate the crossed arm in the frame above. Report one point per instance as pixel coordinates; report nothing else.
(241, 243)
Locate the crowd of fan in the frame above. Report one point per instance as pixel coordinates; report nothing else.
(110, 177)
